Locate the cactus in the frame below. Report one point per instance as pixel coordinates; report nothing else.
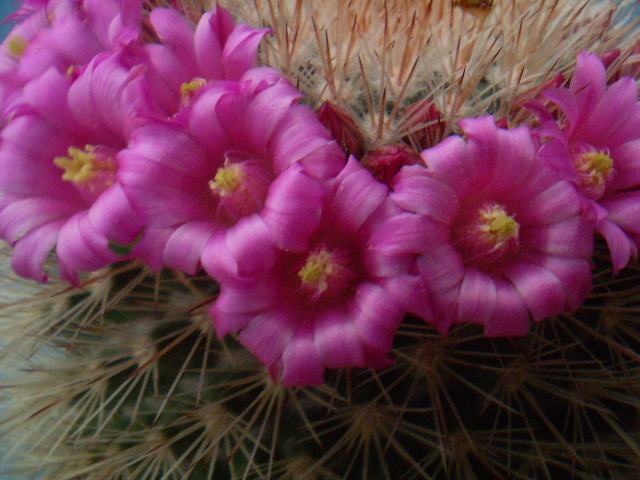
(126, 378)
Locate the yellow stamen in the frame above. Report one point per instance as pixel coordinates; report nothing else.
(597, 167)
(499, 226)
(227, 179)
(189, 88)
(78, 166)
(17, 45)
(316, 272)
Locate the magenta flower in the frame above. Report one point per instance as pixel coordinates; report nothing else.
(317, 306)
(185, 59)
(597, 146)
(213, 165)
(62, 34)
(58, 167)
(499, 238)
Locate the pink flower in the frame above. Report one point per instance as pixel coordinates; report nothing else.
(597, 146)
(499, 238)
(62, 34)
(76, 83)
(316, 306)
(58, 167)
(213, 165)
(185, 59)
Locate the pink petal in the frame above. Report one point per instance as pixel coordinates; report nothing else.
(244, 295)
(448, 160)
(186, 244)
(114, 218)
(483, 145)
(623, 209)
(515, 158)
(555, 204)
(574, 274)
(98, 15)
(293, 208)
(206, 128)
(622, 247)
(441, 267)
(178, 35)
(355, 192)
(541, 290)
(301, 137)
(81, 248)
(25, 215)
(48, 95)
(301, 363)
(336, 340)
(30, 252)
(269, 334)
(626, 160)
(376, 316)
(412, 294)
(477, 297)
(415, 189)
(570, 238)
(240, 51)
(272, 104)
(76, 40)
(165, 77)
(613, 112)
(208, 48)
(227, 322)
(250, 245)
(512, 317)
(408, 233)
(569, 105)
(150, 248)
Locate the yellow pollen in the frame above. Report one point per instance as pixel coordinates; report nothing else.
(317, 271)
(227, 179)
(499, 226)
(78, 166)
(193, 86)
(17, 45)
(598, 165)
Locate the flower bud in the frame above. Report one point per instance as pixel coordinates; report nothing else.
(384, 162)
(425, 124)
(343, 129)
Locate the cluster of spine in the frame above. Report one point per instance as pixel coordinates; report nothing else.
(207, 199)
(134, 383)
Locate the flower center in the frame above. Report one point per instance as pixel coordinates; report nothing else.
(488, 236)
(241, 186)
(189, 90)
(327, 272)
(92, 170)
(17, 45)
(595, 169)
(227, 179)
(498, 227)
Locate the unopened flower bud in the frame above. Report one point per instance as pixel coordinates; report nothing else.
(343, 129)
(424, 124)
(386, 161)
